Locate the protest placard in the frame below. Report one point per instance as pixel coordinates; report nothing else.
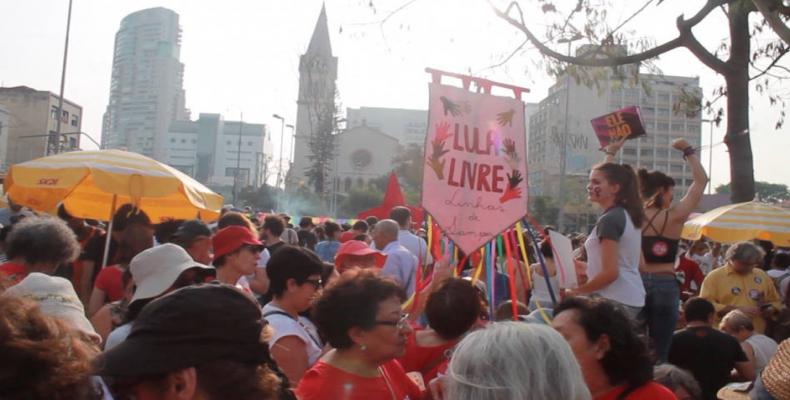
(474, 180)
(625, 122)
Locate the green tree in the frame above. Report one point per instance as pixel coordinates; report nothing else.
(408, 167)
(746, 58)
(360, 198)
(544, 209)
(764, 191)
(262, 198)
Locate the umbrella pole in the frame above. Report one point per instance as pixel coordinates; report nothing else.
(109, 232)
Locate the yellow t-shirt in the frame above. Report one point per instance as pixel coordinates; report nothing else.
(725, 287)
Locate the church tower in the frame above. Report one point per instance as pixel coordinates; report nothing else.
(317, 75)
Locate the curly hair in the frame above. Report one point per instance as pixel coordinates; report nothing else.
(352, 302)
(42, 240)
(627, 361)
(42, 357)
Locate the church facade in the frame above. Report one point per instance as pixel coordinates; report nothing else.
(372, 138)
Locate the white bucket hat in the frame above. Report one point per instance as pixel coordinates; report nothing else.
(156, 269)
(55, 297)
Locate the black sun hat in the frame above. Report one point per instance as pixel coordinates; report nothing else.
(186, 328)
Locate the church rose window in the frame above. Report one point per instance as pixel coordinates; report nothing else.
(361, 158)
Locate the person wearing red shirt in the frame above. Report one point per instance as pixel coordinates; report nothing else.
(452, 310)
(37, 244)
(613, 359)
(109, 286)
(688, 272)
(361, 318)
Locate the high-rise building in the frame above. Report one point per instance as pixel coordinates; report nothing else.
(32, 118)
(211, 149)
(657, 96)
(316, 101)
(146, 89)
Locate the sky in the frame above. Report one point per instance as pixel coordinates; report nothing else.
(242, 56)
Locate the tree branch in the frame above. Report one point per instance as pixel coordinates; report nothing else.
(685, 38)
(695, 47)
(506, 59)
(771, 65)
(772, 17)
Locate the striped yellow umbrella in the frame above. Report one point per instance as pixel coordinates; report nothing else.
(742, 221)
(92, 184)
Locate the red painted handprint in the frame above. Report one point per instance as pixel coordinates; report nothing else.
(512, 191)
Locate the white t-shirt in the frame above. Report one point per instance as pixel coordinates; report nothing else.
(705, 262)
(284, 325)
(615, 224)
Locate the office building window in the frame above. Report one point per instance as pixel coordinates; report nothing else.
(75, 120)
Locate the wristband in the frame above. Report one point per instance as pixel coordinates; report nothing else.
(689, 151)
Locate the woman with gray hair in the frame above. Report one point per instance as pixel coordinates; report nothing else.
(514, 360)
(678, 380)
(38, 244)
(739, 285)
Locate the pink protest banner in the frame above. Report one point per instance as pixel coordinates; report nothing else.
(625, 122)
(474, 180)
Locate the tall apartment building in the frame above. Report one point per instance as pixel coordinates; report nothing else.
(655, 95)
(210, 148)
(32, 118)
(146, 88)
(407, 126)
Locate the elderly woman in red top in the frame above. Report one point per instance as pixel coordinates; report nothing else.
(361, 318)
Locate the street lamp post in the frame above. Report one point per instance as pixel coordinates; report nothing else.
(564, 140)
(280, 159)
(290, 153)
(710, 155)
(55, 147)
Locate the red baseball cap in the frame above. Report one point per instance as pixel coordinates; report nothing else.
(229, 239)
(357, 248)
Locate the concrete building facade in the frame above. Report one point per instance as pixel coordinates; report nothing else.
(657, 97)
(5, 118)
(32, 118)
(209, 148)
(406, 126)
(146, 88)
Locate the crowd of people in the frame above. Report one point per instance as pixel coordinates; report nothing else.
(252, 307)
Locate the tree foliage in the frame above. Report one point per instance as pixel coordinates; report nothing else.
(764, 191)
(740, 59)
(544, 209)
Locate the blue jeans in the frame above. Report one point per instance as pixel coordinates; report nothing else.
(660, 313)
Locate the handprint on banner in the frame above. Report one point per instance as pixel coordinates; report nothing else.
(512, 157)
(505, 118)
(512, 191)
(435, 160)
(442, 132)
(450, 107)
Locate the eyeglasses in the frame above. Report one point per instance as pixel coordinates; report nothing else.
(317, 283)
(400, 324)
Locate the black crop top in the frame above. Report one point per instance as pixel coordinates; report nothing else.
(659, 249)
